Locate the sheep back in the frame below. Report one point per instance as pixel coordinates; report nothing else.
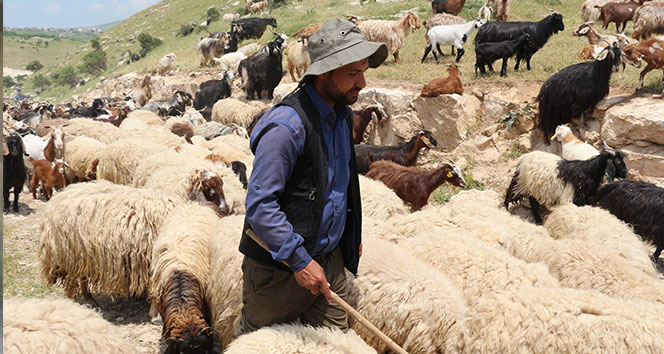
(230, 110)
(119, 160)
(379, 201)
(104, 132)
(80, 155)
(538, 177)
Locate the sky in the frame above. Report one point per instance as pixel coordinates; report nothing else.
(68, 13)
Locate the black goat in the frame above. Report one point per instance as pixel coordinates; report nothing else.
(575, 89)
(213, 91)
(252, 27)
(262, 70)
(97, 109)
(405, 155)
(176, 106)
(13, 170)
(488, 52)
(640, 204)
(540, 32)
(240, 170)
(615, 167)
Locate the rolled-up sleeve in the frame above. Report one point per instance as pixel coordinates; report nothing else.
(277, 142)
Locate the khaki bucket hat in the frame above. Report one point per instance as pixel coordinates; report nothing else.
(339, 43)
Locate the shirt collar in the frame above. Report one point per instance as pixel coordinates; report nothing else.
(323, 108)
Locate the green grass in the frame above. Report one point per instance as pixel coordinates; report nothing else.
(446, 191)
(164, 19)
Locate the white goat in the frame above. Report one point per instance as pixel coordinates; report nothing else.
(485, 12)
(230, 61)
(298, 58)
(165, 63)
(454, 35)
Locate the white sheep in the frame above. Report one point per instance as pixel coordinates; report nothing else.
(98, 236)
(165, 64)
(210, 130)
(141, 118)
(82, 156)
(454, 35)
(58, 326)
(194, 116)
(193, 150)
(181, 265)
(119, 160)
(298, 58)
(392, 33)
(299, 339)
(558, 320)
(379, 201)
(406, 298)
(573, 148)
(601, 227)
(250, 49)
(104, 132)
(230, 17)
(231, 110)
(230, 61)
(230, 148)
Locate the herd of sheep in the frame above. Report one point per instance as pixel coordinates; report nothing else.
(155, 205)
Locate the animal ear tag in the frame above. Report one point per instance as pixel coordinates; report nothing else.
(449, 174)
(52, 164)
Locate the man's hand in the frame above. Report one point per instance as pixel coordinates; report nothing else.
(312, 277)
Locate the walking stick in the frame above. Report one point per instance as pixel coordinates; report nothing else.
(351, 311)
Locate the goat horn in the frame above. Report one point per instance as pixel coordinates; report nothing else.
(550, 9)
(607, 147)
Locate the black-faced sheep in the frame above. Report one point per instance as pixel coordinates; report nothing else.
(405, 155)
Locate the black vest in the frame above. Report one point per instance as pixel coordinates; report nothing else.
(303, 197)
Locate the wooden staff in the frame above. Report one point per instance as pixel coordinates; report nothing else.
(351, 311)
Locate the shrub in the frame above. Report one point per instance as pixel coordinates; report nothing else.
(34, 65)
(213, 14)
(65, 76)
(94, 62)
(95, 44)
(7, 81)
(147, 43)
(185, 30)
(40, 81)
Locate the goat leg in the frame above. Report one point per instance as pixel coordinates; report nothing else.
(5, 195)
(534, 208)
(396, 57)
(16, 193)
(503, 69)
(518, 61)
(426, 52)
(452, 51)
(439, 50)
(528, 63)
(460, 52)
(490, 65)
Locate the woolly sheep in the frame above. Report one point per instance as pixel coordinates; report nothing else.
(231, 147)
(100, 234)
(82, 156)
(211, 130)
(175, 120)
(573, 148)
(157, 135)
(119, 160)
(193, 150)
(134, 119)
(58, 326)
(224, 295)
(409, 301)
(250, 49)
(299, 339)
(193, 116)
(180, 273)
(601, 227)
(104, 132)
(379, 201)
(231, 110)
(558, 320)
(197, 140)
(165, 63)
(475, 267)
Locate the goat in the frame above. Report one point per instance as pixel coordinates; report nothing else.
(308, 30)
(97, 109)
(209, 48)
(262, 71)
(455, 35)
(413, 185)
(298, 58)
(143, 93)
(594, 37)
(361, 119)
(503, 9)
(648, 20)
(652, 52)
(591, 51)
(175, 106)
(540, 32)
(550, 180)
(405, 155)
(640, 204)
(485, 12)
(617, 12)
(13, 169)
(258, 7)
(213, 91)
(453, 7)
(165, 64)
(488, 52)
(575, 89)
(392, 33)
(49, 174)
(444, 85)
(252, 27)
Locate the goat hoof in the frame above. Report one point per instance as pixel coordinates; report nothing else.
(15, 209)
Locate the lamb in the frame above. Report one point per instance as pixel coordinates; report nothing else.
(58, 325)
(230, 61)
(648, 20)
(502, 9)
(49, 174)
(165, 64)
(549, 180)
(540, 32)
(444, 86)
(262, 71)
(573, 148)
(299, 339)
(408, 299)
(209, 48)
(453, 7)
(405, 154)
(455, 35)
(652, 52)
(559, 320)
(640, 204)
(233, 111)
(485, 12)
(82, 157)
(298, 58)
(392, 33)
(379, 201)
(180, 271)
(575, 89)
(412, 185)
(488, 52)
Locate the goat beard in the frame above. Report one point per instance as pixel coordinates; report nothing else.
(347, 98)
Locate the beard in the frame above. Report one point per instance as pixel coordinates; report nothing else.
(347, 98)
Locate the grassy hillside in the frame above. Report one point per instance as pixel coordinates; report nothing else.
(163, 20)
(18, 51)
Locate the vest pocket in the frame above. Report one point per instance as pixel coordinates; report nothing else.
(300, 214)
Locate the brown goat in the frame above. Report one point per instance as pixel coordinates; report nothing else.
(618, 12)
(183, 130)
(651, 51)
(445, 85)
(453, 7)
(413, 185)
(361, 119)
(184, 311)
(49, 174)
(405, 155)
(308, 30)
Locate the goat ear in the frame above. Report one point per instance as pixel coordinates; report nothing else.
(603, 55)
(584, 30)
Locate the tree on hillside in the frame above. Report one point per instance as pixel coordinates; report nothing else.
(34, 65)
(95, 44)
(65, 76)
(147, 43)
(7, 81)
(213, 14)
(40, 81)
(94, 62)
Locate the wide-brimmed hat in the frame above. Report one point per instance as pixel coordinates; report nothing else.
(339, 43)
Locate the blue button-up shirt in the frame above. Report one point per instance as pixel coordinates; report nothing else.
(282, 136)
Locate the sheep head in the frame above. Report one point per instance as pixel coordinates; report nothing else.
(207, 187)
(561, 132)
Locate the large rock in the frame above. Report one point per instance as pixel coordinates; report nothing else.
(444, 116)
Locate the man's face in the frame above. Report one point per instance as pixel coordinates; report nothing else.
(343, 85)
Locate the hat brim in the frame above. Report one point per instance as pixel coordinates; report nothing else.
(375, 51)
